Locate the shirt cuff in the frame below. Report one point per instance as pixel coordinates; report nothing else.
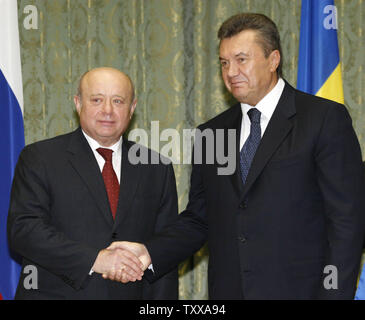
(150, 267)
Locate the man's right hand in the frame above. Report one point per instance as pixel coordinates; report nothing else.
(138, 250)
(118, 264)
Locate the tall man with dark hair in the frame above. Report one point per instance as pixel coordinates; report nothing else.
(293, 212)
(76, 193)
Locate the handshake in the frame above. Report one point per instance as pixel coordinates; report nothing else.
(122, 261)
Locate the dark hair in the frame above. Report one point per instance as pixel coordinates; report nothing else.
(268, 34)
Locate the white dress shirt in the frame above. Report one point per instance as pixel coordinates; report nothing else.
(266, 106)
(116, 156)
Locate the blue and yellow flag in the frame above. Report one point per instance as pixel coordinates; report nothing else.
(319, 67)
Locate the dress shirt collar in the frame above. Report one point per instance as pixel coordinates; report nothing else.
(95, 145)
(268, 103)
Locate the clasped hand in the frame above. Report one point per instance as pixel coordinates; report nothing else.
(122, 261)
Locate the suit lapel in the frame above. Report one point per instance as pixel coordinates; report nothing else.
(234, 122)
(130, 176)
(83, 161)
(278, 128)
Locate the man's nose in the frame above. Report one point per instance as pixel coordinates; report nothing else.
(108, 107)
(232, 70)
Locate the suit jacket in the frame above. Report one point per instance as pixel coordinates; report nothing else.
(300, 209)
(60, 218)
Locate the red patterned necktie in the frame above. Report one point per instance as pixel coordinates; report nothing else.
(110, 179)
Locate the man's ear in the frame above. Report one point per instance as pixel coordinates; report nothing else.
(274, 60)
(77, 101)
(133, 107)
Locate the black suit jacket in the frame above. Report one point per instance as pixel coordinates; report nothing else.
(59, 219)
(301, 208)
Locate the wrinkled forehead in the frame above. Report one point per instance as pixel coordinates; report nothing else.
(106, 81)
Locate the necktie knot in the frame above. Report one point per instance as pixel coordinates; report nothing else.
(105, 153)
(254, 115)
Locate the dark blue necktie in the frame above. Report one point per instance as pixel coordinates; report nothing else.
(249, 148)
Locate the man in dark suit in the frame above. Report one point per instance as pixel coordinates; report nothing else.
(289, 223)
(76, 193)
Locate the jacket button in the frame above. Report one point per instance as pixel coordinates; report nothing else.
(243, 205)
(242, 239)
(114, 235)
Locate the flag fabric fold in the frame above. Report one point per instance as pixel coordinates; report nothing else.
(319, 67)
(11, 133)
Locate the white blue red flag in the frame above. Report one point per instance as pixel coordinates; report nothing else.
(11, 134)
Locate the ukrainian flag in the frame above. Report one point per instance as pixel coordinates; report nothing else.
(319, 67)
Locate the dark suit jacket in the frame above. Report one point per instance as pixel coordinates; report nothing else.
(59, 219)
(301, 208)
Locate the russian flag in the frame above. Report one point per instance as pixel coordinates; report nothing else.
(319, 67)
(11, 133)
